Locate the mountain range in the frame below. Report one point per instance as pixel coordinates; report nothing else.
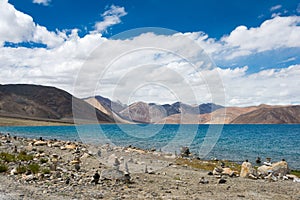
(208, 113)
(44, 103)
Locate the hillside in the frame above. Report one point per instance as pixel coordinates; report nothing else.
(269, 115)
(226, 115)
(94, 101)
(143, 113)
(46, 103)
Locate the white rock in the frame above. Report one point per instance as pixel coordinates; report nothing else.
(13, 171)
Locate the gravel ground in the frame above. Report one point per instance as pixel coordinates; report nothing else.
(164, 178)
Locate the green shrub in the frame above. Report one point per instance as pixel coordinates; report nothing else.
(43, 160)
(21, 169)
(7, 157)
(3, 168)
(296, 172)
(34, 168)
(46, 171)
(24, 157)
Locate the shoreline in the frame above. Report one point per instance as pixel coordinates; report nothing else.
(47, 169)
(238, 162)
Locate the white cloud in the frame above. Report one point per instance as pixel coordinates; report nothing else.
(279, 32)
(43, 2)
(16, 27)
(275, 14)
(110, 17)
(277, 7)
(149, 66)
(272, 86)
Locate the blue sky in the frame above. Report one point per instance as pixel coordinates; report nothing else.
(253, 42)
(214, 17)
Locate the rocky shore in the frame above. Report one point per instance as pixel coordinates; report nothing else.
(52, 169)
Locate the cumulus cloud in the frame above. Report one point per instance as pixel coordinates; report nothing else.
(284, 31)
(277, 7)
(272, 86)
(150, 67)
(110, 17)
(18, 27)
(43, 2)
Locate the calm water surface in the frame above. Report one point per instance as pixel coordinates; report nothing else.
(233, 142)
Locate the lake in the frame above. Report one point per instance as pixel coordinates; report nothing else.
(231, 142)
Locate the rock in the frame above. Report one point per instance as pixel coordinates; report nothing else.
(271, 178)
(210, 173)
(76, 161)
(229, 172)
(40, 143)
(116, 164)
(203, 181)
(185, 152)
(222, 181)
(63, 148)
(29, 177)
(77, 167)
(217, 171)
(77, 150)
(13, 171)
(70, 146)
(99, 153)
(96, 178)
(246, 169)
(264, 170)
(258, 160)
(85, 155)
(251, 176)
(126, 170)
(222, 164)
(113, 174)
(280, 168)
(291, 176)
(56, 144)
(67, 180)
(15, 149)
(296, 180)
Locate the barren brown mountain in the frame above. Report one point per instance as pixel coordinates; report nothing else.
(269, 115)
(45, 103)
(143, 112)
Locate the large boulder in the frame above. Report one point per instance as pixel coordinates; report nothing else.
(264, 170)
(280, 168)
(229, 172)
(246, 170)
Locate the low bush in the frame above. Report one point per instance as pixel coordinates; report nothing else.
(23, 156)
(34, 168)
(21, 169)
(3, 168)
(7, 157)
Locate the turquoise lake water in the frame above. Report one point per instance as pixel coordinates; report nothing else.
(231, 142)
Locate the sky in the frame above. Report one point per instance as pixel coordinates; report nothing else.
(231, 52)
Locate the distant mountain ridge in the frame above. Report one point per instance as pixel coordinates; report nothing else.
(208, 113)
(267, 115)
(46, 103)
